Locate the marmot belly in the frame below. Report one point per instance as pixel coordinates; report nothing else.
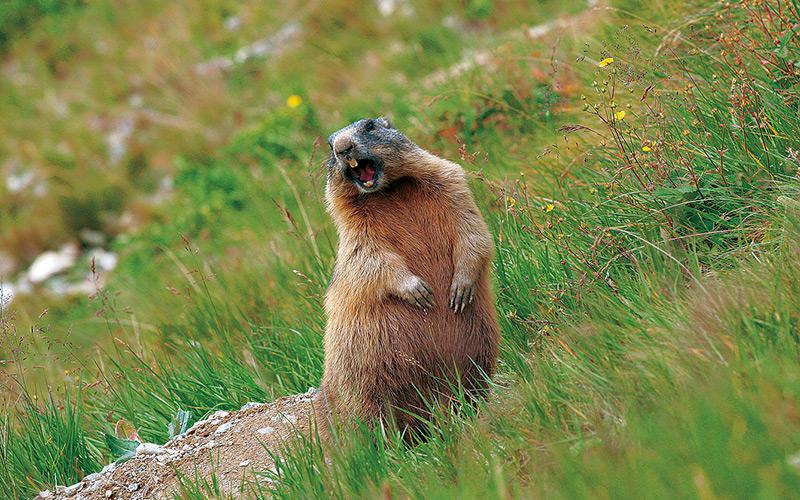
(386, 356)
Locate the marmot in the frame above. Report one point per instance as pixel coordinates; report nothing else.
(409, 307)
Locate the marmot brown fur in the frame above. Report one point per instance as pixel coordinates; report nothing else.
(410, 310)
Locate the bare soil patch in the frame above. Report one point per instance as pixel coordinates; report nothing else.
(233, 446)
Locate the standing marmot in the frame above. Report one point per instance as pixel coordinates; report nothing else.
(410, 311)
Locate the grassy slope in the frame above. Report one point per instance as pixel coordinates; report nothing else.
(649, 298)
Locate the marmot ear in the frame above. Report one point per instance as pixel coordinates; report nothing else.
(385, 122)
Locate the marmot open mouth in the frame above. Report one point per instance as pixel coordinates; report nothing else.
(364, 172)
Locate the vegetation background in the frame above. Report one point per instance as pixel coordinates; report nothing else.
(637, 161)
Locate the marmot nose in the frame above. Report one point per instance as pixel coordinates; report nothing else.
(343, 146)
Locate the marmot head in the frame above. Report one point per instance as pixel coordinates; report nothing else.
(369, 154)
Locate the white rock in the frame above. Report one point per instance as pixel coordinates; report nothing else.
(92, 477)
(136, 100)
(244, 464)
(92, 237)
(109, 493)
(40, 189)
(109, 468)
(264, 431)
(46, 494)
(23, 285)
(285, 417)
(103, 259)
(251, 404)
(223, 428)
(219, 414)
(389, 7)
(210, 444)
(59, 286)
(133, 487)
(72, 490)
(266, 47)
(17, 181)
(7, 292)
(117, 139)
(8, 264)
(232, 23)
(150, 449)
(51, 263)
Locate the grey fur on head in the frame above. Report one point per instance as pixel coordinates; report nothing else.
(372, 144)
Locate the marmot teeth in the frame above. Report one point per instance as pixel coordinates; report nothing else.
(368, 184)
(352, 162)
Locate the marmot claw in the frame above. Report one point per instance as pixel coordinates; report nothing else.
(418, 293)
(461, 294)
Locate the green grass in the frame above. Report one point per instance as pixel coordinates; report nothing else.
(647, 273)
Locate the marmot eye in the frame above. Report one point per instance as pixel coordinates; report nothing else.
(370, 125)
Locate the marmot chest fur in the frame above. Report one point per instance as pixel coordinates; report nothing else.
(410, 310)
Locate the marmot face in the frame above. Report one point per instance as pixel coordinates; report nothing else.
(367, 155)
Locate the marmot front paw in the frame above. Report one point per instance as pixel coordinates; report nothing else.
(462, 292)
(416, 292)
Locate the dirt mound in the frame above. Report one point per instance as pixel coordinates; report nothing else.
(231, 445)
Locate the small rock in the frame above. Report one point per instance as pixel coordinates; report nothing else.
(24, 285)
(286, 417)
(150, 449)
(46, 494)
(265, 431)
(72, 490)
(117, 138)
(136, 100)
(244, 464)
(223, 428)
(109, 468)
(232, 23)
(103, 260)
(19, 180)
(109, 493)
(7, 292)
(60, 286)
(251, 404)
(211, 444)
(51, 263)
(92, 477)
(219, 414)
(133, 487)
(92, 237)
(8, 264)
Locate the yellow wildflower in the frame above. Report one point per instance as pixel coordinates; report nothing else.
(619, 115)
(294, 100)
(512, 202)
(549, 207)
(605, 62)
(646, 149)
